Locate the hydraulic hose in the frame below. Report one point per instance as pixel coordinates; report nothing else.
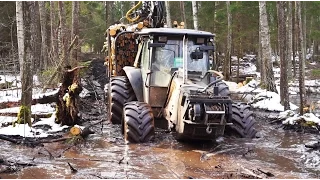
(130, 11)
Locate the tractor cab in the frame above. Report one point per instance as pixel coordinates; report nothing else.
(163, 52)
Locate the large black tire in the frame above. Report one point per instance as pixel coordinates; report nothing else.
(223, 88)
(243, 121)
(138, 122)
(120, 93)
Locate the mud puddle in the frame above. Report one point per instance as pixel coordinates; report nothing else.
(105, 155)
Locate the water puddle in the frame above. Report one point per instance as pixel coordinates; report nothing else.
(279, 152)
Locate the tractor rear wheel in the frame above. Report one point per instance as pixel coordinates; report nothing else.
(243, 121)
(223, 89)
(138, 122)
(120, 92)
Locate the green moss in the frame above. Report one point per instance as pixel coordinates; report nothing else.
(315, 73)
(73, 87)
(308, 124)
(86, 63)
(24, 116)
(45, 76)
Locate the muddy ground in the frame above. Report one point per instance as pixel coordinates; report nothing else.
(277, 154)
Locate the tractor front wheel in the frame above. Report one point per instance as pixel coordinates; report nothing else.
(120, 92)
(243, 121)
(138, 122)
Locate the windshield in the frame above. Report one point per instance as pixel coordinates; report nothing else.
(170, 56)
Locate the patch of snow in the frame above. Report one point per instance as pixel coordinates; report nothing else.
(36, 109)
(269, 101)
(84, 93)
(308, 117)
(23, 130)
(6, 119)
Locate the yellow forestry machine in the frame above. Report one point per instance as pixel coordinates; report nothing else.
(162, 74)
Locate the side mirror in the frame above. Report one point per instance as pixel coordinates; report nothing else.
(197, 55)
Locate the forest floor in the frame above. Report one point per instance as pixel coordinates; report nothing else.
(278, 153)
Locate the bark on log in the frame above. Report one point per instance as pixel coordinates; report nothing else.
(68, 97)
(42, 100)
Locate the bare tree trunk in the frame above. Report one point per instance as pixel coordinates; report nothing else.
(183, 14)
(110, 10)
(23, 11)
(282, 41)
(168, 14)
(122, 10)
(20, 34)
(302, 58)
(36, 37)
(304, 28)
(44, 35)
(75, 31)
(266, 48)
(63, 43)
(106, 7)
(226, 66)
(259, 58)
(294, 39)
(195, 14)
(54, 33)
(289, 40)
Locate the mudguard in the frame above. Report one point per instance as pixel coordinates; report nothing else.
(135, 79)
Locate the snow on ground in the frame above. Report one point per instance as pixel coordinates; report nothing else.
(290, 117)
(259, 98)
(14, 95)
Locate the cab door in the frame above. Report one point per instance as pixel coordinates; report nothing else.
(145, 70)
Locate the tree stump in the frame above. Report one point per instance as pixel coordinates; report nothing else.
(68, 97)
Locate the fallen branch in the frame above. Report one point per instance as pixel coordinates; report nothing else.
(88, 159)
(6, 138)
(269, 174)
(313, 146)
(249, 172)
(35, 116)
(73, 170)
(121, 160)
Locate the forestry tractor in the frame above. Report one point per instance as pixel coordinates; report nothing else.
(159, 73)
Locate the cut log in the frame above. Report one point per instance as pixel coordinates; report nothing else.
(41, 100)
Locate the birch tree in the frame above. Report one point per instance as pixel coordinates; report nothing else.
(226, 66)
(23, 17)
(20, 34)
(195, 14)
(284, 58)
(302, 57)
(266, 49)
(168, 14)
(44, 35)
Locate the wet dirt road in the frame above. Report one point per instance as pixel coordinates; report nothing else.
(105, 155)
